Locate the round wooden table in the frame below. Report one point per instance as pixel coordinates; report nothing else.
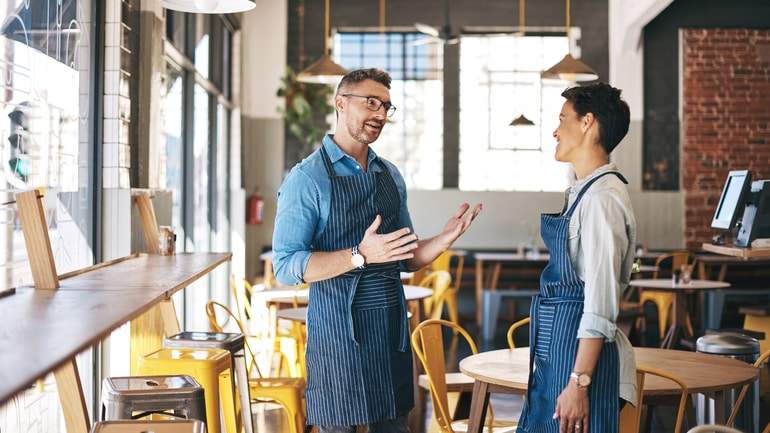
(507, 370)
(299, 314)
(678, 308)
(300, 297)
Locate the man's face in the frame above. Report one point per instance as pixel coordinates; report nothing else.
(355, 110)
(569, 133)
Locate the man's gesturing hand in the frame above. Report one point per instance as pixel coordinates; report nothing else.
(389, 247)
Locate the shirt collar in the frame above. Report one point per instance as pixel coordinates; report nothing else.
(576, 184)
(336, 154)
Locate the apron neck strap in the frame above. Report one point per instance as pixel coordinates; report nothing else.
(328, 162)
(588, 185)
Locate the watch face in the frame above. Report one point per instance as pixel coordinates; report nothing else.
(584, 380)
(357, 260)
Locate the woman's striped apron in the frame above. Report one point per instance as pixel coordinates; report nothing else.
(359, 362)
(555, 318)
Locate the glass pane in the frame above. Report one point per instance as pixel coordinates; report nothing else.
(198, 293)
(172, 121)
(46, 70)
(202, 43)
(221, 233)
(500, 79)
(176, 28)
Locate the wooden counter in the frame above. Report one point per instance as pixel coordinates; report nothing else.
(42, 329)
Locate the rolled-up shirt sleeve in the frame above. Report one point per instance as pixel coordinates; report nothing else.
(295, 225)
(404, 219)
(604, 239)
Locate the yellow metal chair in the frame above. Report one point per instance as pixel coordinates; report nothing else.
(664, 300)
(137, 426)
(284, 345)
(442, 263)
(427, 339)
(211, 368)
(737, 406)
(630, 416)
(758, 319)
(443, 294)
(285, 391)
(513, 328)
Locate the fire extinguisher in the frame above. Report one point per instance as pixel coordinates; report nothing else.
(254, 208)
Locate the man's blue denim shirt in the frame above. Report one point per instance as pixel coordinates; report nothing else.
(304, 200)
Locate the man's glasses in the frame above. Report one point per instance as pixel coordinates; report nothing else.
(374, 104)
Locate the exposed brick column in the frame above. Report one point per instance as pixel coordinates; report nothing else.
(725, 118)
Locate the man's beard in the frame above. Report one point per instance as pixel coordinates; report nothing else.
(362, 134)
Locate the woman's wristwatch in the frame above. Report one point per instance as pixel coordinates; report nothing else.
(582, 380)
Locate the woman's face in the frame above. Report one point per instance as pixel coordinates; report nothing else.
(569, 133)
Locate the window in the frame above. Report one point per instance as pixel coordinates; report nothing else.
(171, 173)
(413, 139)
(46, 140)
(499, 80)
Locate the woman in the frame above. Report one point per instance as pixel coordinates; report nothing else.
(581, 365)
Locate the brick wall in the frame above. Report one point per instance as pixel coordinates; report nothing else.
(725, 118)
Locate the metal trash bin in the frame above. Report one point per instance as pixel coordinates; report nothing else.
(743, 348)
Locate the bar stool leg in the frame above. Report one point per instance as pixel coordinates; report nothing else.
(227, 398)
(242, 378)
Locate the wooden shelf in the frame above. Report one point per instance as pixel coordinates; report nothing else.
(43, 329)
(744, 253)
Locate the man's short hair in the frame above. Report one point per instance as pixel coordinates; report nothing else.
(358, 75)
(610, 111)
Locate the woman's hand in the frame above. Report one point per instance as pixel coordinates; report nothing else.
(572, 409)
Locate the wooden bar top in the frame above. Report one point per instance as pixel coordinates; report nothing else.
(43, 328)
(744, 253)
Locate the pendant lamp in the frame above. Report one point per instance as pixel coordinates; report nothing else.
(570, 68)
(209, 6)
(323, 70)
(522, 119)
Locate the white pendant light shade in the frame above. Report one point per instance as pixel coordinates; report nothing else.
(209, 6)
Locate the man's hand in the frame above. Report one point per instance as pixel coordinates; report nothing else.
(390, 247)
(572, 409)
(458, 224)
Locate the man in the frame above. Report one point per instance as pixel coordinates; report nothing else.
(343, 226)
(582, 363)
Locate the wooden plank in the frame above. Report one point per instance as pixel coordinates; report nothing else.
(38, 244)
(71, 397)
(149, 222)
(745, 253)
(45, 329)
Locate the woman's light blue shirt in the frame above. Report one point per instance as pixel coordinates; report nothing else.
(304, 200)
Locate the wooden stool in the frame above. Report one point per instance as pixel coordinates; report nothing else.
(232, 343)
(174, 426)
(122, 397)
(211, 368)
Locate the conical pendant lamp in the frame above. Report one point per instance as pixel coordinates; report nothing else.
(323, 70)
(570, 68)
(521, 120)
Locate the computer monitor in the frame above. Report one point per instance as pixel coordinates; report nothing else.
(732, 201)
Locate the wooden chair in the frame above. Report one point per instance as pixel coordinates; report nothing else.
(630, 416)
(286, 391)
(664, 300)
(757, 318)
(427, 339)
(513, 328)
(712, 428)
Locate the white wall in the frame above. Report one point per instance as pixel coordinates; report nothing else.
(510, 218)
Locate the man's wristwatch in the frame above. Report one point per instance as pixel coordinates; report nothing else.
(357, 260)
(582, 380)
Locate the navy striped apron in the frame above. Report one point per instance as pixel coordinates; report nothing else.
(359, 362)
(555, 317)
